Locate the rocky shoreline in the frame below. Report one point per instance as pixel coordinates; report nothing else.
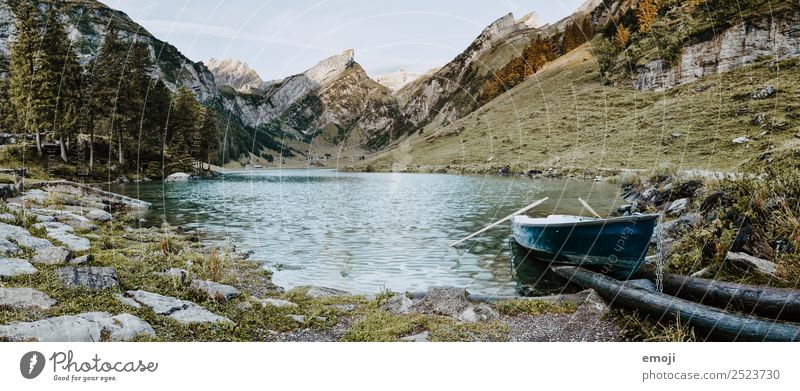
(75, 267)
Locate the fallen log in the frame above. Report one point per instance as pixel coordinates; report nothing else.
(713, 323)
(772, 303)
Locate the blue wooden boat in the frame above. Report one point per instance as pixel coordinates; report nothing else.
(615, 246)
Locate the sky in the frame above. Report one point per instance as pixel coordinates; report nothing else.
(278, 38)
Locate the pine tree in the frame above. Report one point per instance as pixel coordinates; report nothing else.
(181, 128)
(59, 78)
(22, 69)
(106, 78)
(210, 137)
(7, 114)
(157, 108)
(133, 94)
(151, 136)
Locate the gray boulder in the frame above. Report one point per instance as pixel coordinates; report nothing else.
(127, 301)
(25, 298)
(22, 237)
(741, 140)
(478, 313)
(183, 311)
(398, 304)
(175, 273)
(678, 206)
(10, 267)
(178, 177)
(81, 260)
(52, 256)
(446, 301)
(215, 290)
(86, 327)
(67, 328)
(421, 337)
(66, 235)
(275, 302)
(747, 261)
(122, 327)
(8, 248)
(316, 292)
(764, 92)
(99, 215)
(90, 277)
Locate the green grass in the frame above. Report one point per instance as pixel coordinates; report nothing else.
(770, 203)
(533, 307)
(641, 328)
(136, 263)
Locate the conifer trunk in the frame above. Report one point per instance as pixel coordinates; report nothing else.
(63, 149)
(120, 149)
(39, 143)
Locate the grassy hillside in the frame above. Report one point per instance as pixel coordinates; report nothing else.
(566, 116)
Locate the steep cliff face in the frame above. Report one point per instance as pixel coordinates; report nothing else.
(449, 93)
(347, 108)
(234, 73)
(772, 37)
(87, 22)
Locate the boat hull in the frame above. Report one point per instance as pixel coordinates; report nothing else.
(616, 247)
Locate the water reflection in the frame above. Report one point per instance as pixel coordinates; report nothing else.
(366, 232)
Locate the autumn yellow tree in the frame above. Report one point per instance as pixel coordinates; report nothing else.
(646, 14)
(621, 37)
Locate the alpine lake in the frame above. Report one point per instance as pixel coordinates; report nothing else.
(367, 232)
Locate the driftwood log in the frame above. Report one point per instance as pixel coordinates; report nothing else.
(772, 303)
(709, 322)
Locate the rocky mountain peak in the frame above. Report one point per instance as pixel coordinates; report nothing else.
(499, 28)
(327, 69)
(397, 79)
(234, 73)
(530, 20)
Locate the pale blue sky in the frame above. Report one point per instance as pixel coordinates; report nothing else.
(282, 37)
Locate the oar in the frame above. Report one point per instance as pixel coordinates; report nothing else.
(589, 208)
(496, 223)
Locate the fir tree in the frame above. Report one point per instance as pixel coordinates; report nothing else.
(151, 141)
(132, 96)
(180, 129)
(7, 114)
(59, 78)
(22, 70)
(209, 133)
(105, 78)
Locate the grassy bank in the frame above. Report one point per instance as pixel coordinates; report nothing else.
(567, 117)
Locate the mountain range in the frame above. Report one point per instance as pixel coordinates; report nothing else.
(335, 109)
